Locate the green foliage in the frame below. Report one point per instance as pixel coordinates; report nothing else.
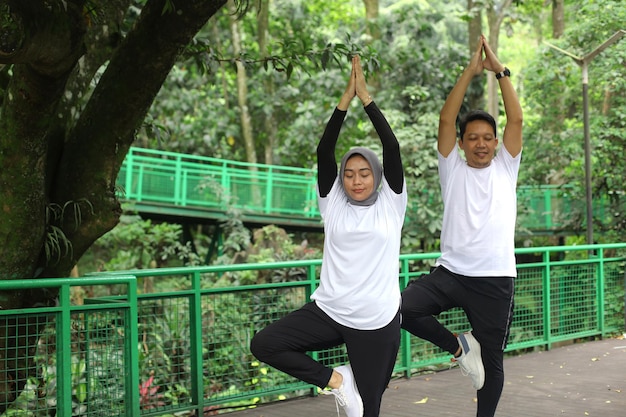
(237, 236)
(306, 90)
(554, 113)
(137, 244)
(165, 350)
(412, 66)
(615, 280)
(57, 244)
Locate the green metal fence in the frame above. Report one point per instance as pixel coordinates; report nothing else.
(187, 185)
(181, 346)
(71, 360)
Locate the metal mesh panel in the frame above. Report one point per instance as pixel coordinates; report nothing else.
(233, 319)
(572, 299)
(425, 354)
(205, 188)
(527, 325)
(164, 352)
(614, 284)
(155, 181)
(98, 363)
(290, 193)
(32, 377)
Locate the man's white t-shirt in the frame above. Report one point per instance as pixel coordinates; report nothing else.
(480, 210)
(359, 285)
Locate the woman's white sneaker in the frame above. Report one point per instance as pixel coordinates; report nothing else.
(347, 395)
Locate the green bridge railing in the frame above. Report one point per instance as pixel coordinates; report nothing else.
(175, 341)
(202, 187)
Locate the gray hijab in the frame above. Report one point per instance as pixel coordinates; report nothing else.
(377, 170)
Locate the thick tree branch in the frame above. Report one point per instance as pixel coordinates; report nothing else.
(98, 143)
(46, 36)
(40, 68)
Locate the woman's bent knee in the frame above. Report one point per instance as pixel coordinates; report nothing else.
(258, 346)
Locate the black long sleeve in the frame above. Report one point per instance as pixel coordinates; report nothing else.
(326, 161)
(392, 159)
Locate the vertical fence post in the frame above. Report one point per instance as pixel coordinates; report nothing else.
(64, 354)
(547, 296)
(132, 354)
(600, 289)
(269, 189)
(312, 277)
(548, 216)
(405, 337)
(226, 182)
(128, 180)
(178, 178)
(310, 204)
(195, 322)
(184, 191)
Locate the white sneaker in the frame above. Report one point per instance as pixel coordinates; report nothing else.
(470, 361)
(347, 395)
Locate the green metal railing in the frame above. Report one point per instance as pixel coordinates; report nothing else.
(186, 185)
(181, 346)
(82, 359)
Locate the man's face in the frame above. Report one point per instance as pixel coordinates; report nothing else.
(479, 143)
(358, 178)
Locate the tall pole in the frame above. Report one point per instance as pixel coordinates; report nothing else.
(588, 190)
(584, 64)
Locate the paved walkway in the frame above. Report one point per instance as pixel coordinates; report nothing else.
(585, 379)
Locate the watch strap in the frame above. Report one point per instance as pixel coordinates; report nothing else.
(505, 73)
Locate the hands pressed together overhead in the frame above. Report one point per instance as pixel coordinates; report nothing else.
(357, 87)
(484, 58)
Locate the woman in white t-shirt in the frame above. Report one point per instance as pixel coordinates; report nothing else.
(358, 300)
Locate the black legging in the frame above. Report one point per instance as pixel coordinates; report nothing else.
(488, 303)
(372, 353)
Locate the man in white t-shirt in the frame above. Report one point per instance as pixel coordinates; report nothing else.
(476, 269)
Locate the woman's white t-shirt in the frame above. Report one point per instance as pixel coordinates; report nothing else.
(359, 285)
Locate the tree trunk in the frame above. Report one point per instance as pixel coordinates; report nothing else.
(97, 144)
(62, 144)
(269, 122)
(42, 62)
(495, 16)
(242, 86)
(372, 9)
(475, 96)
(558, 28)
(558, 18)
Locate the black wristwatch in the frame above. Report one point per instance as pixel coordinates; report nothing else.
(505, 73)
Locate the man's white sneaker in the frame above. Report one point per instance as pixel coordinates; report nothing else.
(470, 361)
(347, 395)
